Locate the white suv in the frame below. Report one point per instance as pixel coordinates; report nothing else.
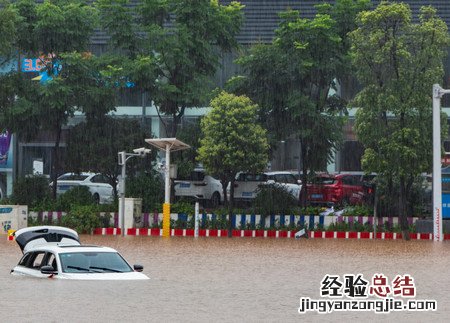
(246, 185)
(98, 185)
(200, 186)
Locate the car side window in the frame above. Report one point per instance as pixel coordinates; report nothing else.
(279, 178)
(51, 260)
(357, 180)
(347, 180)
(25, 259)
(290, 179)
(37, 260)
(99, 179)
(197, 176)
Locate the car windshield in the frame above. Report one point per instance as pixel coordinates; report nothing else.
(93, 262)
(244, 177)
(323, 180)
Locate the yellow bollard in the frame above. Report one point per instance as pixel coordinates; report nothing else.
(166, 220)
(10, 235)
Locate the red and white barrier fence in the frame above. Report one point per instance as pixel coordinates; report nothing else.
(267, 234)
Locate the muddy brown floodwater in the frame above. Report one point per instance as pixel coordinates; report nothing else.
(221, 279)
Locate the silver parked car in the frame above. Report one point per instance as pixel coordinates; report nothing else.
(246, 184)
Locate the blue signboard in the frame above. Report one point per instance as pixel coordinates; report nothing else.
(445, 193)
(5, 150)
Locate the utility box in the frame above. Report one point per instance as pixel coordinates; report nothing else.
(173, 171)
(133, 213)
(13, 217)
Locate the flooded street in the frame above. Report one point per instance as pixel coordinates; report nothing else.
(221, 279)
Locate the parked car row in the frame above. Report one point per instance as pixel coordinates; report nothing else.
(323, 189)
(206, 188)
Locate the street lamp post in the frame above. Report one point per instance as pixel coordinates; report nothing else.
(438, 92)
(123, 157)
(167, 145)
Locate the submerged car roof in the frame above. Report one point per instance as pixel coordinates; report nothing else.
(62, 248)
(31, 237)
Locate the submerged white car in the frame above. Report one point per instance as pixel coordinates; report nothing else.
(56, 252)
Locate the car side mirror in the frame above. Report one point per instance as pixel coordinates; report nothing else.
(270, 181)
(48, 270)
(138, 268)
(299, 182)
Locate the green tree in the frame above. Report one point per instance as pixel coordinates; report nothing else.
(54, 31)
(294, 80)
(180, 48)
(397, 62)
(233, 141)
(9, 20)
(93, 146)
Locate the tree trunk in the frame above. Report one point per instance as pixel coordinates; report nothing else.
(403, 210)
(176, 118)
(304, 191)
(224, 191)
(173, 130)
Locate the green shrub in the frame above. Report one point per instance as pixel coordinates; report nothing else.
(79, 195)
(338, 226)
(358, 210)
(30, 191)
(274, 199)
(149, 187)
(311, 210)
(76, 196)
(84, 218)
(182, 207)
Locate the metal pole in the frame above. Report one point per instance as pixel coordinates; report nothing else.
(167, 173)
(197, 218)
(375, 212)
(122, 199)
(438, 92)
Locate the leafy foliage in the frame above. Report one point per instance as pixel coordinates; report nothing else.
(149, 187)
(9, 20)
(397, 62)
(179, 57)
(56, 32)
(94, 145)
(83, 219)
(232, 141)
(30, 191)
(293, 79)
(79, 195)
(274, 199)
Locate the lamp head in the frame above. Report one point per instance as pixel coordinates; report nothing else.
(142, 151)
